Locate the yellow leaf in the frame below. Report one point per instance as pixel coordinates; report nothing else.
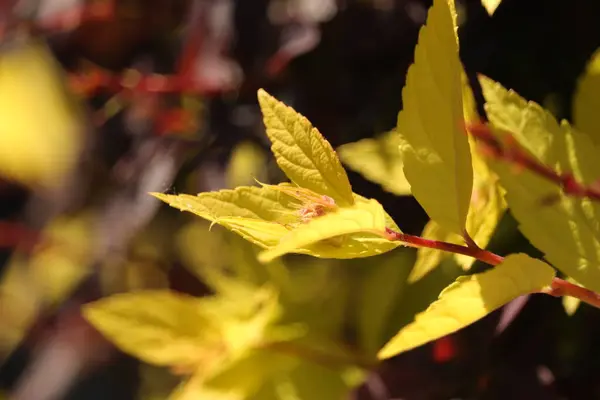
(40, 125)
(364, 221)
(486, 207)
(491, 5)
(378, 160)
(586, 101)
(471, 298)
(158, 327)
(434, 146)
(564, 227)
(302, 152)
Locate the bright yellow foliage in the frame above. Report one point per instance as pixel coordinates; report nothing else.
(564, 227)
(471, 298)
(586, 101)
(41, 131)
(434, 145)
(302, 152)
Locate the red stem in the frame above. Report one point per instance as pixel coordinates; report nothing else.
(512, 153)
(417, 241)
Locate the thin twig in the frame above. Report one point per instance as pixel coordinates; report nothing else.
(561, 287)
(509, 151)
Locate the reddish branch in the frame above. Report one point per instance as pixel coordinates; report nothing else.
(510, 151)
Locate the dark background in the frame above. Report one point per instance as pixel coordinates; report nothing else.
(349, 86)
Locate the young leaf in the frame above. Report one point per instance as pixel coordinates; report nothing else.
(158, 327)
(434, 147)
(471, 298)
(564, 227)
(586, 101)
(378, 160)
(40, 124)
(302, 152)
(363, 222)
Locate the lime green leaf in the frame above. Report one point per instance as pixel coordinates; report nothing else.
(565, 228)
(485, 209)
(434, 147)
(362, 222)
(302, 152)
(40, 125)
(491, 5)
(378, 160)
(159, 327)
(586, 101)
(382, 285)
(471, 298)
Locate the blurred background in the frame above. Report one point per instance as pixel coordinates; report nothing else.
(103, 101)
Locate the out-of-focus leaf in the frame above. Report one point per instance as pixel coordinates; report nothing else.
(434, 147)
(302, 152)
(40, 126)
(44, 278)
(566, 228)
(159, 327)
(362, 222)
(382, 285)
(586, 101)
(246, 164)
(471, 298)
(378, 160)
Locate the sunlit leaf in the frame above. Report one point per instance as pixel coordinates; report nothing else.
(586, 101)
(365, 221)
(491, 5)
(302, 152)
(40, 125)
(378, 160)
(486, 207)
(434, 146)
(564, 227)
(471, 298)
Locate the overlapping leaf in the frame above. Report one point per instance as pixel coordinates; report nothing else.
(434, 146)
(40, 128)
(276, 216)
(586, 101)
(565, 228)
(378, 160)
(471, 298)
(485, 209)
(302, 152)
